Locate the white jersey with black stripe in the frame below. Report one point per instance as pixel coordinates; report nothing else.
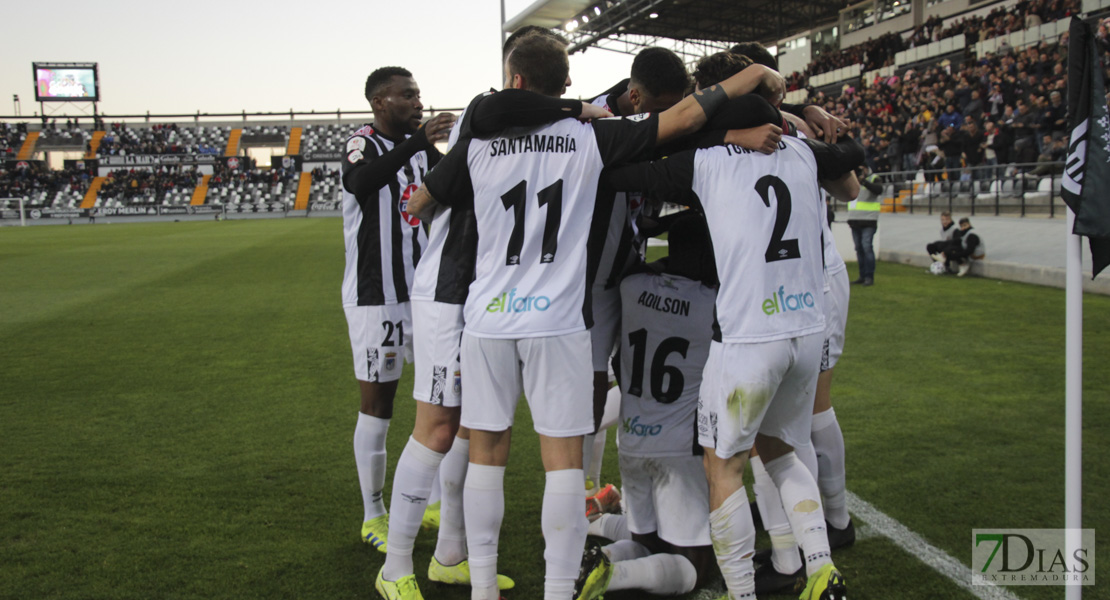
(666, 331)
(764, 214)
(534, 193)
(383, 242)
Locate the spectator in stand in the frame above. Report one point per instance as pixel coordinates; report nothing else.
(974, 106)
(951, 118)
(974, 147)
(1025, 125)
(1055, 116)
(911, 145)
(952, 145)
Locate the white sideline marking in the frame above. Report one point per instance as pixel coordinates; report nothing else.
(960, 574)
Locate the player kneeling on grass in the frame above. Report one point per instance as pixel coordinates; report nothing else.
(665, 334)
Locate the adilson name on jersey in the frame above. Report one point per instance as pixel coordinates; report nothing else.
(532, 143)
(664, 304)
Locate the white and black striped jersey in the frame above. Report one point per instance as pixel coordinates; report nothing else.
(765, 217)
(534, 193)
(666, 330)
(383, 242)
(446, 278)
(608, 98)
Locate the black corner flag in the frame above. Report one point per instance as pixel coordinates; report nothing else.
(1086, 184)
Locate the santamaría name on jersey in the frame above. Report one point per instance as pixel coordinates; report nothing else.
(532, 143)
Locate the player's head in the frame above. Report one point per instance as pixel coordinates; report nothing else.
(945, 219)
(658, 81)
(395, 99)
(718, 67)
(690, 250)
(516, 36)
(538, 63)
(756, 52)
(511, 41)
(965, 223)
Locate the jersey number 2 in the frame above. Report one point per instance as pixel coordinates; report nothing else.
(516, 199)
(659, 367)
(778, 248)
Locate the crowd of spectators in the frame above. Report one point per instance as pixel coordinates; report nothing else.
(879, 52)
(150, 185)
(11, 138)
(121, 140)
(28, 181)
(249, 174)
(1001, 109)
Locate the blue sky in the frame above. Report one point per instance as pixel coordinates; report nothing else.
(234, 55)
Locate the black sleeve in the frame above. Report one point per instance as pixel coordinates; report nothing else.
(434, 156)
(449, 183)
(493, 113)
(872, 186)
(835, 160)
(657, 226)
(669, 179)
(365, 171)
(749, 110)
(798, 110)
(625, 139)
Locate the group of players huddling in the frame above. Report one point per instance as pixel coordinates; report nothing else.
(514, 264)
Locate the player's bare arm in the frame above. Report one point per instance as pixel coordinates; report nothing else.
(824, 123)
(764, 138)
(422, 205)
(693, 111)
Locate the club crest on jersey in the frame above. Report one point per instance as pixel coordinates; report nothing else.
(356, 143)
(457, 387)
(403, 206)
(390, 361)
(354, 156)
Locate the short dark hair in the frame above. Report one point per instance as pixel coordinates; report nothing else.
(515, 37)
(381, 78)
(660, 71)
(542, 61)
(946, 214)
(757, 52)
(718, 67)
(965, 221)
(691, 252)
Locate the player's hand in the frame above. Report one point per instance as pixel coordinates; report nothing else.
(825, 124)
(771, 85)
(764, 138)
(592, 111)
(438, 128)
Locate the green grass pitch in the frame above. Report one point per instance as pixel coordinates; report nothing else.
(177, 406)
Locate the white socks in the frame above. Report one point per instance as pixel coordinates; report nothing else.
(784, 549)
(808, 456)
(451, 545)
(802, 503)
(412, 484)
(484, 493)
(625, 550)
(564, 532)
(610, 527)
(661, 574)
(370, 433)
(733, 534)
(828, 441)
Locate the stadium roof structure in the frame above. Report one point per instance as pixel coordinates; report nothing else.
(690, 27)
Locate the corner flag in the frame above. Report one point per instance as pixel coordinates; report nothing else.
(1086, 183)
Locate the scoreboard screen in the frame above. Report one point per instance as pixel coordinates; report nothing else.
(66, 82)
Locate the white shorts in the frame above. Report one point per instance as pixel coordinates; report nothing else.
(836, 319)
(553, 372)
(763, 388)
(381, 340)
(607, 324)
(668, 495)
(437, 332)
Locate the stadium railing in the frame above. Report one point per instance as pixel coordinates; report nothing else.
(997, 189)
